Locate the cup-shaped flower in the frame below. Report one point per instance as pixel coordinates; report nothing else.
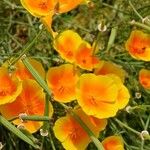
(113, 143)
(66, 44)
(107, 67)
(72, 135)
(31, 101)
(144, 78)
(97, 95)
(138, 45)
(22, 72)
(10, 87)
(39, 8)
(84, 57)
(101, 96)
(62, 82)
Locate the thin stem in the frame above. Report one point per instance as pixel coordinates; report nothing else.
(136, 12)
(36, 118)
(51, 140)
(141, 25)
(26, 49)
(109, 6)
(35, 74)
(127, 127)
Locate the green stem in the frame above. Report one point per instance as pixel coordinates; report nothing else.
(26, 49)
(140, 107)
(112, 38)
(35, 74)
(36, 118)
(51, 140)
(136, 12)
(46, 113)
(141, 25)
(127, 127)
(109, 6)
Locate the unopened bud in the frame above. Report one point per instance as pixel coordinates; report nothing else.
(138, 95)
(102, 27)
(43, 132)
(21, 116)
(144, 134)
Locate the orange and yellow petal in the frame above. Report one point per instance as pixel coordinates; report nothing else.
(138, 45)
(144, 78)
(67, 5)
(123, 93)
(113, 143)
(31, 101)
(123, 97)
(66, 44)
(10, 87)
(72, 135)
(97, 95)
(107, 67)
(84, 57)
(22, 72)
(62, 82)
(39, 8)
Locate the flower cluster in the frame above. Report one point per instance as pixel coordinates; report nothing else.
(100, 93)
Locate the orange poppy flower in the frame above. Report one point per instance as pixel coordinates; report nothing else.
(84, 56)
(31, 101)
(113, 143)
(62, 82)
(10, 87)
(138, 45)
(72, 135)
(144, 78)
(39, 8)
(66, 44)
(107, 67)
(97, 95)
(23, 73)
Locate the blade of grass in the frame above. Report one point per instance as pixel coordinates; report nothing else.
(17, 132)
